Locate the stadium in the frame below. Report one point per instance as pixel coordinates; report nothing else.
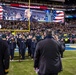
(30, 20)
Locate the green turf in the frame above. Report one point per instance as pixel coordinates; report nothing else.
(26, 67)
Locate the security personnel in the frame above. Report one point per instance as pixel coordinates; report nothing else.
(4, 56)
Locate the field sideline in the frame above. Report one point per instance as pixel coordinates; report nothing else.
(26, 67)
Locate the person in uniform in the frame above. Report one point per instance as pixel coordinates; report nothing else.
(4, 56)
(23, 47)
(28, 44)
(18, 43)
(12, 46)
(33, 46)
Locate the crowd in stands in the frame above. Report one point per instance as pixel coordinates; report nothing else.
(14, 25)
(71, 21)
(37, 32)
(39, 28)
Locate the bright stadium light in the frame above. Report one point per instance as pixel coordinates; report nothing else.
(52, 8)
(0, 26)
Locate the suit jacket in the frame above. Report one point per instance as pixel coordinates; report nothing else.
(12, 44)
(63, 46)
(4, 57)
(21, 43)
(31, 19)
(47, 56)
(28, 42)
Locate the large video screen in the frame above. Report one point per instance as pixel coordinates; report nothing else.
(58, 16)
(24, 14)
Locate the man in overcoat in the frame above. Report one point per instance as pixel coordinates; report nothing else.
(4, 56)
(47, 59)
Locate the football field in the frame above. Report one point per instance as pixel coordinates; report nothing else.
(26, 67)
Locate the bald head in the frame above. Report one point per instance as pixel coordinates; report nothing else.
(27, 13)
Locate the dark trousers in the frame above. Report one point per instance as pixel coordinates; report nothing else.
(12, 53)
(23, 53)
(32, 51)
(61, 54)
(50, 74)
(19, 51)
(29, 51)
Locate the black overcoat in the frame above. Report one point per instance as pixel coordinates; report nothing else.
(47, 56)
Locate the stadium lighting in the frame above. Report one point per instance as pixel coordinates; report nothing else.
(0, 26)
(52, 8)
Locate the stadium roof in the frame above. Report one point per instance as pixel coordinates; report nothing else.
(43, 1)
(58, 4)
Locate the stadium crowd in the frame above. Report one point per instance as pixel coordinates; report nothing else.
(19, 25)
(28, 40)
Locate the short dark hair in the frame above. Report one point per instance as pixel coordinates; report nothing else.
(49, 33)
(3, 35)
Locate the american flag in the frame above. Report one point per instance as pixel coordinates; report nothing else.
(58, 16)
(1, 12)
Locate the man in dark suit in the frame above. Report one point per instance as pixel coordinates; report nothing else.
(4, 56)
(28, 15)
(47, 56)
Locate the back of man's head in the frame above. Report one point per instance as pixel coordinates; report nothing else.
(49, 33)
(3, 36)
